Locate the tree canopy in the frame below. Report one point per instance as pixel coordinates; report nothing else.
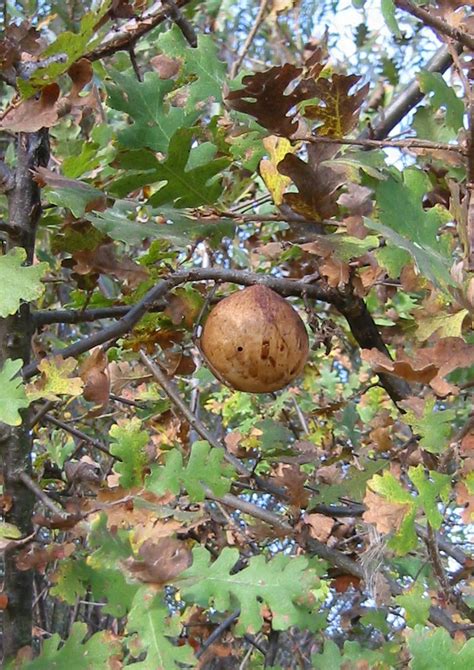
(155, 159)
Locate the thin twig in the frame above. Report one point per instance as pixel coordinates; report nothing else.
(131, 31)
(174, 395)
(182, 22)
(285, 287)
(437, 24)
(80, 435)
(40, 494)
(252, 510)
(217, 632)
(250, 38)
(410, 143)
(134, 62)
(470, 185)
(408, 98)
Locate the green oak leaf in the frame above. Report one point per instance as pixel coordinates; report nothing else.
(129, 444)
(435, 426)
(443, 96)
(205, 468)
(333, 658)
(201, 66)
(77, 196)
(416, 605)
(436, 650)
(284, 584)
(150, 619)
(431, 486)
(120, 223)
(70, 47)
(406, 225)
(191, 175)
(388, 13)
(12, 393)
(75, 653)
(154, 120)
(19, 283)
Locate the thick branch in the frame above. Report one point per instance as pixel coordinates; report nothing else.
(351, 307)
(285, 287)
(7, 178)
(24, 208)
(130, 32)
(438, 25)
(404, 102)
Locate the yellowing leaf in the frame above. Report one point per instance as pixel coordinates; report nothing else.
(445, 325)
(276, 183)
(55, 380)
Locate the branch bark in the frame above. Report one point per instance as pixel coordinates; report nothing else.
(131, 31)
(408, 98)
(350, 306)
(437, 24)
(24, 209)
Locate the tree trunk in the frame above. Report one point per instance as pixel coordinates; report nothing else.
(24, 208)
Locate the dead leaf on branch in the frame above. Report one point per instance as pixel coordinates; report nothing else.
(317, 184)
(429, 366)
(95, 375)
(46, 110)
(264, 97)
(33, 114)
(160, 562)
(386, 516)
(103, 260)
(320, 526)
(338, 110)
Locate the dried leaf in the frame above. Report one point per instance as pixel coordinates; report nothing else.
(33, 114)
(430, 366)
(160, 562)
(264, 97)
(95, 375)
(386, 516)
(103, 260)
(320, 526)
(338, 111)
(317, 184)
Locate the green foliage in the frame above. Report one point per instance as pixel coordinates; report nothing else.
(291, 589)
(204, 469)
(435, 650)
(197, 185)
(151, 621)
(19, 283)
(129, 443)
(175, 226)
(75, 653)
(154, 120)
(443, 96)
(332, 658)
(12, 393)
(200, 66)
(416, 605)
(416, 230)
(434, 426)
